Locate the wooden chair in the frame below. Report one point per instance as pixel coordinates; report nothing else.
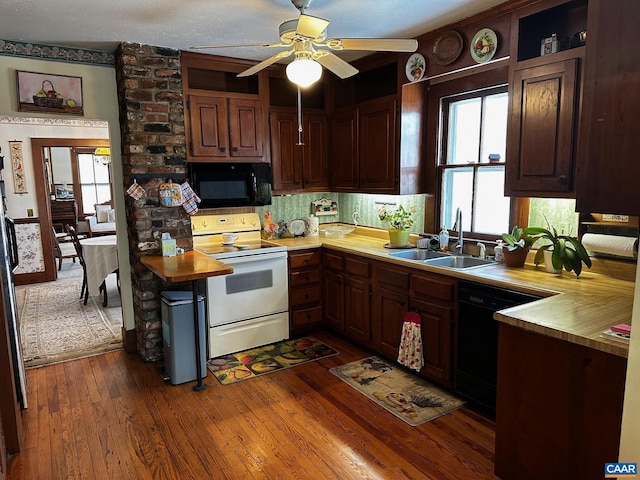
(62, 250)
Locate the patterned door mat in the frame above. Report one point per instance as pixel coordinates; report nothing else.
(267, 359)
(405, 395)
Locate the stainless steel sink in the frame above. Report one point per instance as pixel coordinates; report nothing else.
(456, 261)
(419, 255)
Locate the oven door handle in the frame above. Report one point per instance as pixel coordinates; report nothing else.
(260, 257)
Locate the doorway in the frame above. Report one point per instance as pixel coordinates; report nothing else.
(47, 186)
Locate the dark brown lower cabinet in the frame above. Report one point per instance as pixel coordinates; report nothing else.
(559, 408)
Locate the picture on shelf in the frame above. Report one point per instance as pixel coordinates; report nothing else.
(63, 191)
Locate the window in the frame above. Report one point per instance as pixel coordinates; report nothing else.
(95, 181)
(474, 127)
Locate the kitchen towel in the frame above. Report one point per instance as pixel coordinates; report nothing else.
(611, 245)
(190, 199)
(410, 353)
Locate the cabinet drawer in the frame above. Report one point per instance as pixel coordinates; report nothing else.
(393, 277)
(307, 277)
(307, 259)
(330, 260)
(438, 287)
(305, 296)
(307, 316)
(357, 267)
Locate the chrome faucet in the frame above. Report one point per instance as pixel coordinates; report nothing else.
(458, 226)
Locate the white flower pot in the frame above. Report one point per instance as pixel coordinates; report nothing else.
(548, 264)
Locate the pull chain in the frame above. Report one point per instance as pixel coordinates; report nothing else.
(300, 137)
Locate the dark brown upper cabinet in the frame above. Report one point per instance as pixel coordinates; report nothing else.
(608, 166)
(545, 94)
(224, 119)
(299, 167)
(540, 132)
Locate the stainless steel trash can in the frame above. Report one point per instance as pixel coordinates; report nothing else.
(178, 336)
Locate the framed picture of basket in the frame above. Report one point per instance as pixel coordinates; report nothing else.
(49, 93)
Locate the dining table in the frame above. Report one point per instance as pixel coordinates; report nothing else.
(101, 259)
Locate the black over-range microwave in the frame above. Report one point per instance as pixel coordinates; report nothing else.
(231, 184)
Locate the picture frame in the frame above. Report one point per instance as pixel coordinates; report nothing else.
(63, 191)
(49, 93)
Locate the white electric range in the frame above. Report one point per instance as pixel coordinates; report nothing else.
(248, 308)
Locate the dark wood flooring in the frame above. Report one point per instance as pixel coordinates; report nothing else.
(111, 416)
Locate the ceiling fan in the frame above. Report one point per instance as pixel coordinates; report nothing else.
(306, 39)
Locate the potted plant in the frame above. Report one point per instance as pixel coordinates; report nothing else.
(566, 251)
(518, 245)
(399, 223)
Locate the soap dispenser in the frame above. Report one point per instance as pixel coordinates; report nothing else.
(499, 252)
(444, 239)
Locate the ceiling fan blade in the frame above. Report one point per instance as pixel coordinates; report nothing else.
(201, 47)
(265, 63)
(335, 64)
(374, 44)
(311, 27)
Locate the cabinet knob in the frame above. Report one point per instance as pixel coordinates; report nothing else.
(563, 179)
(235, 149)
(223, 149)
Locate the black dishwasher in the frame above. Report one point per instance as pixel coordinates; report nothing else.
(477, 350)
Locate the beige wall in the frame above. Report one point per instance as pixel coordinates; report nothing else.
(100, 102)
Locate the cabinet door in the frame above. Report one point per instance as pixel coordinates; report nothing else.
(357, 309)
(389, 309)
(245, 124)
(436, 339)
(315, 161)
(333, 295)
(344, 151)
(286, 156)
(377, 155)
(540, 134)
(208, 126)
(608, 165)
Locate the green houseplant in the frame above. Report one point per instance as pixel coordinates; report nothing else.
(568, 251)
(518, 245)
(398, 222)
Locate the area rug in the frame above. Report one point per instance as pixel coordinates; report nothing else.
(403, 394)
(268, 359)
(55, 325)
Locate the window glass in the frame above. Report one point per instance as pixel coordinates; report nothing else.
(464, 130)
(494, 126)
(491, 213)
(561, 213)
(94, 181)
(457, 192)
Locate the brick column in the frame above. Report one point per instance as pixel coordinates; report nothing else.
(153, 150)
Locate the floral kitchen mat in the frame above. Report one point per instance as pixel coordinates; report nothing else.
(401, 393)
(270, 358)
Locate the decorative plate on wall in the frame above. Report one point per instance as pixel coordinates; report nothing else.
(447, 48)
(484, 45)
(416, 67)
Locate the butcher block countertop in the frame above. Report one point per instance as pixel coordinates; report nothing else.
(189, 266)
(575, 309)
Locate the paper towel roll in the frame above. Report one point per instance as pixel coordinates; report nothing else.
(611, 244)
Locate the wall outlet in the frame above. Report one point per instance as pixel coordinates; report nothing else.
(29, 212)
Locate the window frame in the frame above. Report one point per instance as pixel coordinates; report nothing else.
(458, 86)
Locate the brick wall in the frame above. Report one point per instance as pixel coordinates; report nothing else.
(153, 150)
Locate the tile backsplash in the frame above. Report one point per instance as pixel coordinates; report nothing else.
(289, 207)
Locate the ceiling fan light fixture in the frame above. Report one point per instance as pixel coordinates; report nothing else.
(304, 71)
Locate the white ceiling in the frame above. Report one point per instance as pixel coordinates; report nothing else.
(179, 24)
